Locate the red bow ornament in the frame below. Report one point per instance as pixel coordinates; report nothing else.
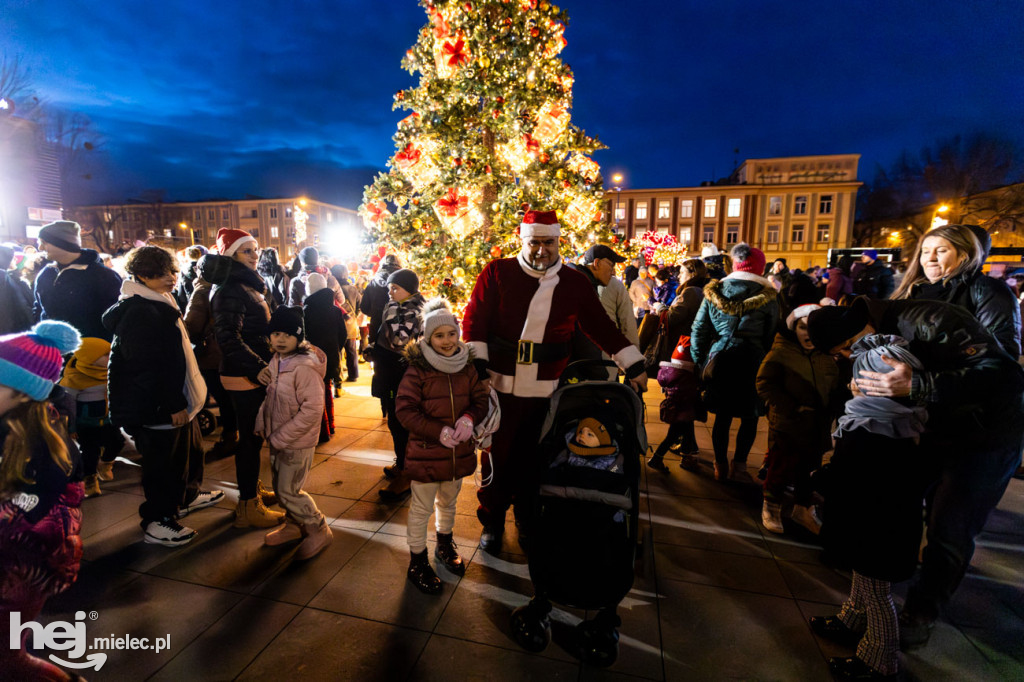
(456, 53)
(452, 203)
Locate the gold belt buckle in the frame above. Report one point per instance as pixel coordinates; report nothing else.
(524, 354)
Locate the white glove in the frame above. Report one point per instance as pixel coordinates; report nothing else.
(463, 428)
(448, 438)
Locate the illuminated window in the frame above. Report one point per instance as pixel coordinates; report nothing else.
(774, 205)
(823, 232)
(664, 210)
(710, 207)
(732, 234)
(772, 236)
(685, 234)
(798, 234)
(168, 233)
(288, 212)
(800, 205)
(620, 213)
(825, 204)
(330, 217)
(733, 209)
(273, 232)
(641, 210)
(686, 208)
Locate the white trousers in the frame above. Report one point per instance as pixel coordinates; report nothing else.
(421, 506)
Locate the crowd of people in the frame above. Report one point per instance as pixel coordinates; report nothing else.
(910, 380)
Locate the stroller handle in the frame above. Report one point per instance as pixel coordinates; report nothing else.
(586, 370)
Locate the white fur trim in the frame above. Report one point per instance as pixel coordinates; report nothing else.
(525, 265)
(628, 356)
(479, 349)
(235, 245)
(527, 230)
(748, 276)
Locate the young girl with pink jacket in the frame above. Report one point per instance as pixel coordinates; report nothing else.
(289, 419)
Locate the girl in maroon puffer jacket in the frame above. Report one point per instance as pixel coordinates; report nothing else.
(439, 400)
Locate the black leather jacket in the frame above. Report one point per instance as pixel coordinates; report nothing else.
(240, 316)
(970, 385)
(990, 300)
(874, 280)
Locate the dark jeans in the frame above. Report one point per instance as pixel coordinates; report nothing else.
(223, 397)
(744, 438)
(678, 432)
(165, 463)
(247, 456)
(399, 436)
(972, 480)
(352, 359)
(97, 442)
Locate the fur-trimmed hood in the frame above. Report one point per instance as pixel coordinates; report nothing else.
(414, 355)
(739, 293)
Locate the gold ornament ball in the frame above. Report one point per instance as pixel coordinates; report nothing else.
(484, 62)
(560, 173)
(417, 223)
(459, 273)
(470, 260)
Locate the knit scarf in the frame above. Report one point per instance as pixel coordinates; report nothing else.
(880, 415)
(449, 365)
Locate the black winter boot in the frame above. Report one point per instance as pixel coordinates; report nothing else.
(422, 575)
(448, 554)
(531, 626)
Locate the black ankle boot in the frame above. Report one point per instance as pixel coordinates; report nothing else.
(531, 626)
(422, 575)
(448, 554)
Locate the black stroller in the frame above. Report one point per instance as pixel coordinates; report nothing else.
(584, 517)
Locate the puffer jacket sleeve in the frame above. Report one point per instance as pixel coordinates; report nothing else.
(998, 311)
(702, 334)
(771, 384)
(409, 407)
(309, 392)
(197, 314)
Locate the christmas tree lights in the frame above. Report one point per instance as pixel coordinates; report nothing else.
(490, 133)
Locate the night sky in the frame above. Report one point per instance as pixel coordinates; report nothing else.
(276, 98)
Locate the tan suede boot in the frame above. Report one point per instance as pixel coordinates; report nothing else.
(253, 513)
(286, 532)
(92, 486)
(269, 497)
(318, 537)
(105, 470)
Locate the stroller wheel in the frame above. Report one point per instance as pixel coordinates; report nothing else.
(531, 629)
(598, 640)
(207, 422)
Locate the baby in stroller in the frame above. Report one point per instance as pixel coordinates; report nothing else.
(590, 445)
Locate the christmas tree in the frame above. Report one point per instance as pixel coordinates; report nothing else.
(489, 135)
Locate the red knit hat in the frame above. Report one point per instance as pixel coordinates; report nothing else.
(746, 258)
(229, 241)
(540, 224)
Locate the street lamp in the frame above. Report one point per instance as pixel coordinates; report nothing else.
(938, 218)
(617, 179)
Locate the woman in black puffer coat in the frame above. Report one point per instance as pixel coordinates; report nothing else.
(241, 312)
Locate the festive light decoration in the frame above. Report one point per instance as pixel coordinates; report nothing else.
(659, 246)
(489, 133)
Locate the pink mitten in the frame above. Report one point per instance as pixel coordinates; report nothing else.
(463, 428)
(448, 437)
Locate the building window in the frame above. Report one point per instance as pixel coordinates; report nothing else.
(685, 234)
(620, 214)
(733, 208)
(825, 204)
(168, 232)
(254, 214)
(664, 210)
(197, 216)
(273, 212)
(641, 210)
(732, 234)
(774, 205)
(330, 217)
(225, 215)
(823, 232)
(710, 207)
(709, 234)
(798, 234)
(273, 232)
(255, 232)
(288, 212)
(197, 236)
(772, 236)
(291, 234)
(800, 205)
(686, 208)
(211, 215)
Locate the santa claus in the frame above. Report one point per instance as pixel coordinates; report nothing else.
(520, 321)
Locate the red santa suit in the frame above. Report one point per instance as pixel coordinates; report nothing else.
(521, 321)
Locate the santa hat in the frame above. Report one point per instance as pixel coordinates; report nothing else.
(540, 224)
(800, 312)
(229, 241)
(681, 354)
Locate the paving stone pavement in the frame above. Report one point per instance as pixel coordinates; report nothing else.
(715, 597)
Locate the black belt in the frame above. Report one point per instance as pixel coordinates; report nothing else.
(528, 352)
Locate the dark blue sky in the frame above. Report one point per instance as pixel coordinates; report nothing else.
(273, 98)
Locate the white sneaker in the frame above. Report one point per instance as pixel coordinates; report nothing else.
(205, 498)
(771, 517)
(807, 517)
(169, 533)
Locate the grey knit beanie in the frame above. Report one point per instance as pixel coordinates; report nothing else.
(436, 313)
(64, 234)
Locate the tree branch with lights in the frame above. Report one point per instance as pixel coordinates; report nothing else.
(489, 134)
